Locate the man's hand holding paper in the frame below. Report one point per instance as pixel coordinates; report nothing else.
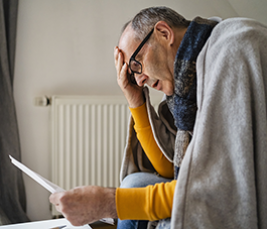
(86, 204)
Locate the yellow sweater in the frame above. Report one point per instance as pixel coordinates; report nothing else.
(154, 201)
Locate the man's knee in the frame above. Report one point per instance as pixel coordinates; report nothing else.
(142, 179)
(132, 181)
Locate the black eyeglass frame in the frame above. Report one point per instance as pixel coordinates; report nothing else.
(132, 78)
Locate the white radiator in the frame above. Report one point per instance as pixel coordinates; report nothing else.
(88, 140)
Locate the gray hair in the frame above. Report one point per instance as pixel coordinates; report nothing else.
(146, 19)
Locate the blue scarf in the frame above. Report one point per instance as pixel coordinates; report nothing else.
(182, 103)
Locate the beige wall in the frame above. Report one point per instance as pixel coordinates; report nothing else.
(65, 47)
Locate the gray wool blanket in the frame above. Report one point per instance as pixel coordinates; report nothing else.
(222, 181)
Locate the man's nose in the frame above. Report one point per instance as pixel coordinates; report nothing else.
(141, 79)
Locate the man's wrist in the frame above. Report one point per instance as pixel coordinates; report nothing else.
(135, 105)
(110, 196)
(137, 102)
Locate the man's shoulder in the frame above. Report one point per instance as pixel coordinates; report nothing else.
(236, 32)
(239, 25)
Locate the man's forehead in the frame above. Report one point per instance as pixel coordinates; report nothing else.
(127, 43)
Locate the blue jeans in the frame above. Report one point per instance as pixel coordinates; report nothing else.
(136, 180)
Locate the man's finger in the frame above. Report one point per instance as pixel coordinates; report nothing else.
(117, 59)
(116, 49)
(119, 64)
(55, 197)
(124, 69)
(52, 199)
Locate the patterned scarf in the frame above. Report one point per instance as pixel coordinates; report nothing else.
(182, 103)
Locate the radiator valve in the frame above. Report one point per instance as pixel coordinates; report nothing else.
(42, 101)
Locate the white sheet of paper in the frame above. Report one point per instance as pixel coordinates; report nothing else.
(44, 224)
(51, 187)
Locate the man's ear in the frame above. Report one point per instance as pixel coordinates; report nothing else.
(164, 32)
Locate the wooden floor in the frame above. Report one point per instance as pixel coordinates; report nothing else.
(101, 225)
(104, 227)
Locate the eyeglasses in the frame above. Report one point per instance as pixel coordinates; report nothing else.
(134, 65)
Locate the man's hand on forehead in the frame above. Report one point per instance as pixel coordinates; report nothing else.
(132, 92)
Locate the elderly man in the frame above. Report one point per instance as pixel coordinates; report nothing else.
(214, 77)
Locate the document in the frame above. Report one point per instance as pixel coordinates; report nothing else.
(45, 224)
(51, 187)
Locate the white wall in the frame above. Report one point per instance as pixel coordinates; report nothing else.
(66, 47)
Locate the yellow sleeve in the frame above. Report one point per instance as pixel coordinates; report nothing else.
(144, 134)
(153, 202)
